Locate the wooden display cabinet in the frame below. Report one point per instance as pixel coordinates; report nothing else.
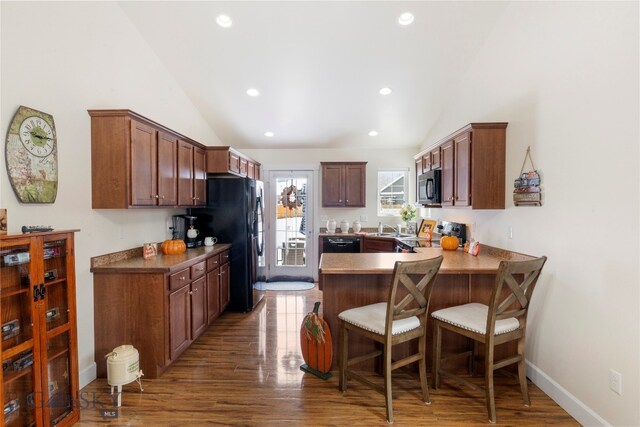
(39, 339)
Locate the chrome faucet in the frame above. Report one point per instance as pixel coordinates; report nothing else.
(382, 226)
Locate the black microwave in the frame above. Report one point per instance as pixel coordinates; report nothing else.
(430, 188)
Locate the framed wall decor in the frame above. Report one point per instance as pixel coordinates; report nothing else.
(427, 227)
(32, 156)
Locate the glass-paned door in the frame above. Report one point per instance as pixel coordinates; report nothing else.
(56, 319)
(19, 377)
(290, 223)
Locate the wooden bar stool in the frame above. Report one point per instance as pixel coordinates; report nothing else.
(504, 320)
(390, 323)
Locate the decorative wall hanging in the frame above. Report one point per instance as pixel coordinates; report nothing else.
(32, 156)
(527, 190)
(289, 197)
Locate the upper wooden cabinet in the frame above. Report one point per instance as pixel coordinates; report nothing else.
(192, 177)
(472, 161)
(136, 162)
(227, 160)
(344, 184)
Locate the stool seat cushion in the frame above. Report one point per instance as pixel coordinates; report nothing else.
(373, 317)
(473, 317)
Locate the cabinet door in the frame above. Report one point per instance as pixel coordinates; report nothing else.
(355, 185)
(234, 162)
(224, 287)
(243, 167)
(198, 307)
(185, 174)
(167, 170)
(20, 379)
(251, 170)
(378, 245)
(199, 177)
(332, 185)
(213, 295)
(435, 158)
(143, 165)
(426, 163)
(57, 318)
(179, 321)
(462, 167)
(446, 161)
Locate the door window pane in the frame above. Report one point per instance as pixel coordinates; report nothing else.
(291, 204)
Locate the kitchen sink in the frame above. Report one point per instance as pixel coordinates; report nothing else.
(399, 235)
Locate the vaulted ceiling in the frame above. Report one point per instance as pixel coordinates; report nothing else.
(318, 66)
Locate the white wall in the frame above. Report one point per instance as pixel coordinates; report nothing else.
(58, 58)
(565, 77)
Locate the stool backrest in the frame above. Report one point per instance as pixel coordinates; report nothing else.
(418, 278)
(512, 291)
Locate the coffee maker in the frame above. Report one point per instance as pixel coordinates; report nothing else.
(191, 234)
(181, 226)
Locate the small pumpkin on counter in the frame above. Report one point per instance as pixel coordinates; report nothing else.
(173, 247)
(449, 243)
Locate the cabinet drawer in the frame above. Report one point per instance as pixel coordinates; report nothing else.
(179, 279)
(213, 262)
(198, 270)
(224, 257)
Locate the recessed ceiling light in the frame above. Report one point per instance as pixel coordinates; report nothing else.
(269, 134)
(253, 92)
(406, 18)
(385, 91)
(373, 133)
(224, 21)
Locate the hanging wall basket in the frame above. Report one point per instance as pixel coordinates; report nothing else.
(527, 190)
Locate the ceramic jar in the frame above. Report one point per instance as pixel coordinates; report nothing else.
(356, 226)
(331, 226)
(344, 226)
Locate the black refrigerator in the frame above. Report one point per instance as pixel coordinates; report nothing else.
(235, 214)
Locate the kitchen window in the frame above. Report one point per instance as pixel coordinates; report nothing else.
(392, 191)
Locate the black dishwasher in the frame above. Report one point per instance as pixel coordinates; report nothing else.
(341, 245)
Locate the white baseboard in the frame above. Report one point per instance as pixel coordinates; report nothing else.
(578, 410)
(87, 375)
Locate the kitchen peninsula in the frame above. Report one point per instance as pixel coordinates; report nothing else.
(357, 279)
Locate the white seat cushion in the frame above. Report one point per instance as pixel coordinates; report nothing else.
(473, 317)
(373, 318)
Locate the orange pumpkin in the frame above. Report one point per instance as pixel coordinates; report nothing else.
(449, 243)
(173, 247)
(315, 340)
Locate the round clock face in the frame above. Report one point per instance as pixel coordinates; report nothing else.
(37, 136)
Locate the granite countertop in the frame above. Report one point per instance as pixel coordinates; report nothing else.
(454, 262)
(113, 263)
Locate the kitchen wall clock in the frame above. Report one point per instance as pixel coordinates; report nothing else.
(32, 156)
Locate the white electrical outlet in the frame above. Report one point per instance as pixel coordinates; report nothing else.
(510, 232)
(615, 381)
(364, 218)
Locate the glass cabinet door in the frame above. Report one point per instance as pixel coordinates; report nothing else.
(20, 379)
(55, 319)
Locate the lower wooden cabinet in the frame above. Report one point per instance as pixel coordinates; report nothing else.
(217, 284)
(372, 244)
(157, 311)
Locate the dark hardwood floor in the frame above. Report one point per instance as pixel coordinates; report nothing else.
(245, 370)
